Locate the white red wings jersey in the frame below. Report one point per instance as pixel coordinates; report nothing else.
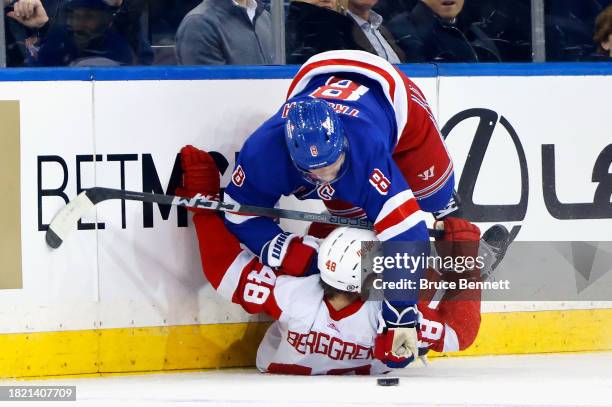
(309, 336)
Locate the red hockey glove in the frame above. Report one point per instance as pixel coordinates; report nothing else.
(200, 175)
(460, 243)
(461, 238)
(301, 258)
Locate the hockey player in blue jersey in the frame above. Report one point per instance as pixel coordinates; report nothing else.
(356, 133)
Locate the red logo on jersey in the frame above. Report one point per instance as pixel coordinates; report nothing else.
(313, 151)
(238, 176)
(333, 326)
(380, 182)
(326, 192)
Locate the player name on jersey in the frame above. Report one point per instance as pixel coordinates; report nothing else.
(334, 348)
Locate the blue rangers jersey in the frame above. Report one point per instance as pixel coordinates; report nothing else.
(373, 102)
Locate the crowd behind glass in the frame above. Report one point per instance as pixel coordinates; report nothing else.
(240, 32)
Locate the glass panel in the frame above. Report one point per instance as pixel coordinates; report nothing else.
(315, 26)
(570, 28)
(226, 32)
(2, 39)
(137, 32)
(507, 24)
(164, 18)
(278, 10)
(76, 33)
(222, 32)
(472, 31)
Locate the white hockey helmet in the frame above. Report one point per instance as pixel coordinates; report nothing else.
(340, 257)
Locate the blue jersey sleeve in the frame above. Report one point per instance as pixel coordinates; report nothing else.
(388, 200)
(255, 181)
(253, 231)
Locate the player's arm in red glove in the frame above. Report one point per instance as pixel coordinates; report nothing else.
(460, 242)
(288, 253)
(452, 324)
(200, 176)
(233, 272)
(449, 326)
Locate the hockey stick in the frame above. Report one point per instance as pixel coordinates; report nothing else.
(63, 222)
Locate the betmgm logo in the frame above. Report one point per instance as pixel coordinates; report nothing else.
(131, 167)
(10, 206)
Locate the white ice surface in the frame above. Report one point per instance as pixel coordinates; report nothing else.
(533, 380)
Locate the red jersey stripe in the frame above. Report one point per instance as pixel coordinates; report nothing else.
(343, 62)
(397, 215)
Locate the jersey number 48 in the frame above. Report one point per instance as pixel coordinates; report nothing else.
(257, 290)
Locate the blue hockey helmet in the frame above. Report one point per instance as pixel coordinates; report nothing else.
(315, 137)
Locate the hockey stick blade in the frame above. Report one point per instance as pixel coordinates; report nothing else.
(65, 219)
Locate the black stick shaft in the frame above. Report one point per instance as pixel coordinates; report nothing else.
(99, 194)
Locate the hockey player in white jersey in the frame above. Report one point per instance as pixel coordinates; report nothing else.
(322, 324)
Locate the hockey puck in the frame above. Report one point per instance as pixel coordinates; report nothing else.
(388, 381)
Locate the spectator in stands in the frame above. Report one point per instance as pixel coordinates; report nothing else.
(87, 38)
(317, 26)
(24, 19)
(603, 36)
(378, 39)
(225, 32)
(56, 20)
(432, 32)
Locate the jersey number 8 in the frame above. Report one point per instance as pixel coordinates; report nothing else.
(340, 89)
(379, 181)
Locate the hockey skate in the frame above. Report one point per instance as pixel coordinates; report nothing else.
(493, 246)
